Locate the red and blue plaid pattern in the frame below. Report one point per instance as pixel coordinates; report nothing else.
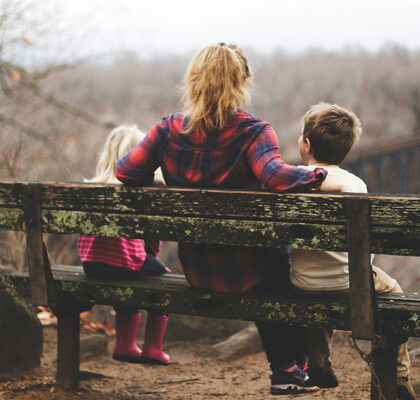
(243, 155)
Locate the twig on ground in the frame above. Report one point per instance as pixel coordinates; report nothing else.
(414, 352)
(178, 381)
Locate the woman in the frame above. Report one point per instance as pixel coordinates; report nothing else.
(217, 144)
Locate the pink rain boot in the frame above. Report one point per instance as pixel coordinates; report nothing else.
(152, 348)
(126, 327)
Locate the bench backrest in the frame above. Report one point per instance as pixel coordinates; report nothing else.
(356, 223)
(311, 221)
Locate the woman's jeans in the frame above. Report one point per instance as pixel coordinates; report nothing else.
(282, 344)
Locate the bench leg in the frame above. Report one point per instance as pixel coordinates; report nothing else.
(385, 365)
(68, 346)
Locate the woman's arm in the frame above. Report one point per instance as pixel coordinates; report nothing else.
(137, 167)
(265, 161)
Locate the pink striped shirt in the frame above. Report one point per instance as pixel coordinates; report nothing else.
(120, 252)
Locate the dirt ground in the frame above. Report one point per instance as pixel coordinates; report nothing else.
(191, 375)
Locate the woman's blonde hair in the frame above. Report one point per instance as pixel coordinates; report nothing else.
(215, 85)
(118, 143)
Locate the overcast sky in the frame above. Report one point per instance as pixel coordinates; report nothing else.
(179, 26)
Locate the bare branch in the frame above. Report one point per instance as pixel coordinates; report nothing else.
(10, 160)
(35, 134)
(3, 83)
(54, 70)
(50, 98)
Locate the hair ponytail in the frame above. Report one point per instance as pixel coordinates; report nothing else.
(215, 86)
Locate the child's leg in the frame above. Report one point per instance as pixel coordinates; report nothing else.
(156, 321)
(385, 284)
(319, 346)
(153, 341)
(319, 349)
(319, 339)
(127, 321)
(151, 266)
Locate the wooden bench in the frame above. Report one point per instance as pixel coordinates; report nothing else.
(359, 224)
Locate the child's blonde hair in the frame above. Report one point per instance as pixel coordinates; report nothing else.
(215, 85)
(332, 131)
(118, 143)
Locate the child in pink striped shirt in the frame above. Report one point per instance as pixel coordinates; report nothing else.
(120, 258)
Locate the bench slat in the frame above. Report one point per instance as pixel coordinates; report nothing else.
(196, 230)
(384, 240)
(172, 294)
(194, 215)
(391, 210)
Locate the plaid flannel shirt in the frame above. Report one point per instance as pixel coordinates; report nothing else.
(243, 155)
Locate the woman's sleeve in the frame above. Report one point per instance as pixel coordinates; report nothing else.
(137, 167)
(265, 161)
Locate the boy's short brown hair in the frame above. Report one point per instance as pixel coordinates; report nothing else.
(332, 131)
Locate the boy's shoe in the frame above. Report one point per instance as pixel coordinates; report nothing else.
(323, 377)
(291, 382)
(405, 389)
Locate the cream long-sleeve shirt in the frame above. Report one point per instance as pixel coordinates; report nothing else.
(324, 270)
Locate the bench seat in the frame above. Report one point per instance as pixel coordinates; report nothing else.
(398, 314)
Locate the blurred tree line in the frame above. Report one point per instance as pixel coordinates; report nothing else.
(53, 121)
(54, 117)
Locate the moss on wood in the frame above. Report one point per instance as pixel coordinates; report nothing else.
(11, 219)
(397, 314)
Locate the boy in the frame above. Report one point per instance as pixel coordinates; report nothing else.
(328, 134)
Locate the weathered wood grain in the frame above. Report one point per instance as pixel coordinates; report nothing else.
(397, 314)
(205, 215)
(384, 359)
(42, 286)
(68, 346)
(386, 209)
(196, 230)
(362, 299)
(10, 194)
(11, 219)
(193, 202)
(311, 221)
(384, 240)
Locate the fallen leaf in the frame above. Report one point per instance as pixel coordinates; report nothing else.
(15, 75)
(27, 41)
